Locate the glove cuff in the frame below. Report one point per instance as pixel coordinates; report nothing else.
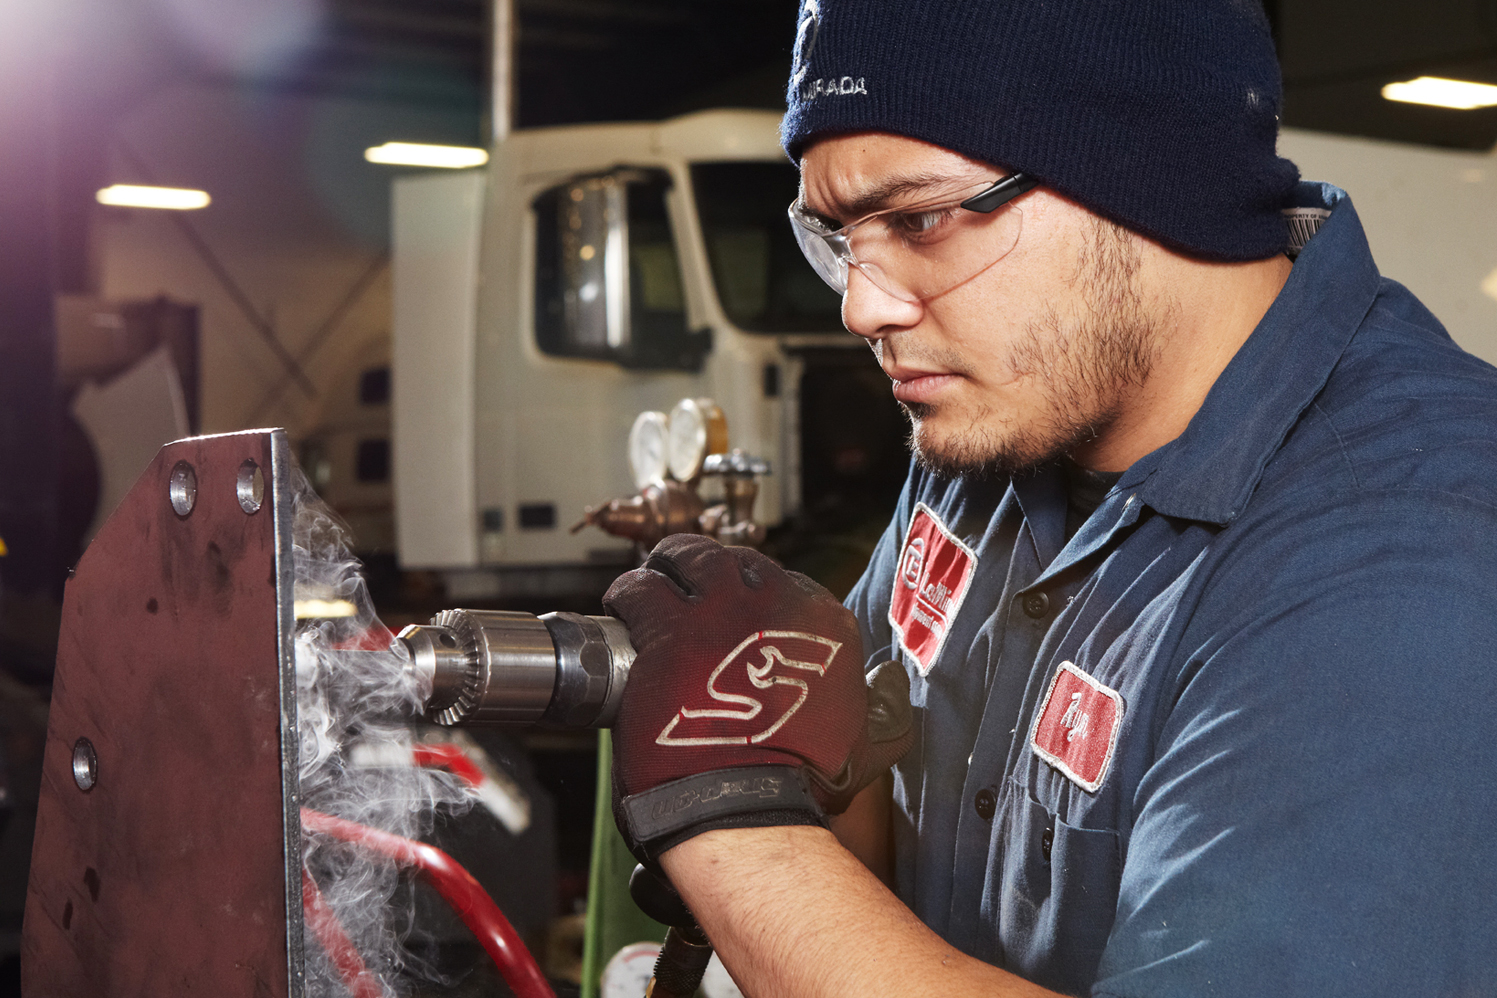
(721, 798)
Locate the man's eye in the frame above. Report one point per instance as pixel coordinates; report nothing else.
(919, 224)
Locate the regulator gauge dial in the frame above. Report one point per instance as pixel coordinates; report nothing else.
(697, 428)
(649, 448)
(630, 970)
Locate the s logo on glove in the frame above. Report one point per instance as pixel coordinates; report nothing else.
(767, 660)
(747, 704)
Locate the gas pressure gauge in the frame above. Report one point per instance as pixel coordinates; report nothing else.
(697, 428)
(649, 448)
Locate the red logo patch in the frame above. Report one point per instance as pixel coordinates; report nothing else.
(1077, 729)
(935, 570)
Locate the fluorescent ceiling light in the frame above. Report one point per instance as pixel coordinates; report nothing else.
(138, 196)
(1440, 92)
(417, 154)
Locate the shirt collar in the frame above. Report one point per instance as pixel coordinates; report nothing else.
(1210, 470)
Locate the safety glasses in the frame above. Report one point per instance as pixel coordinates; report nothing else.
(920, 250)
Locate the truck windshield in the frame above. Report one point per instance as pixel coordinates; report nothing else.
(764, 283)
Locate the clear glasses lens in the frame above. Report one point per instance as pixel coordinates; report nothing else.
(912, 253)
(916, 266)
(824, 260)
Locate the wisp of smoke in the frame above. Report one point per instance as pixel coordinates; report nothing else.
(353, 686)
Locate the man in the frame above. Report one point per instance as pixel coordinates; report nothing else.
(1191, 582)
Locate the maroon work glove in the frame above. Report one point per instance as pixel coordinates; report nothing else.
(746, 705)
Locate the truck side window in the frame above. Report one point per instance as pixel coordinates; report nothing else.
(607, 276)
(763, 281)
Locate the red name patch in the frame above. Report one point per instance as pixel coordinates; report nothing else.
(1077, 729)
(935, 570)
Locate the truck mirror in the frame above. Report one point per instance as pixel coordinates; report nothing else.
(595, 291)
(608, 276)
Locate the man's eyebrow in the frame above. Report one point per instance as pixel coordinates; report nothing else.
(878, 196)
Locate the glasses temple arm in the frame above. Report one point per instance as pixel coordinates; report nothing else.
(1001, 193)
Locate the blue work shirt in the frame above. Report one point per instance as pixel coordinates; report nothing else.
(1284, 626)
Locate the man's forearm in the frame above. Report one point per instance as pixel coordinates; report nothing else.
(864, 829)
(793, 913)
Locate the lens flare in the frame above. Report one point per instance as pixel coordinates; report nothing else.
(246, 36)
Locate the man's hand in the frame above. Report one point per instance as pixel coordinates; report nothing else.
(746, 704)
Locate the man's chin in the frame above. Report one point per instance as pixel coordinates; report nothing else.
(945, 453)
(974, 451)
(956, 463)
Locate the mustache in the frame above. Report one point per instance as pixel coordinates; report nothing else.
(1000, 365)
(908, 354)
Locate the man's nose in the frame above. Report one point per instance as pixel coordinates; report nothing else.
(871, 312)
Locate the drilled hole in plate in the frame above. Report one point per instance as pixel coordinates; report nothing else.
(183, 488)
(250, 487)
(85, 764)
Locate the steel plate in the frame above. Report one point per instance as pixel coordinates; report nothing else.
(168, 875)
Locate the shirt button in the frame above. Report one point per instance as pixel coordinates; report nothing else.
(1047, 839)
(986, 803)
(1036, 604)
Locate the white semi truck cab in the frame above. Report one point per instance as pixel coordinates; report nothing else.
(590, 273)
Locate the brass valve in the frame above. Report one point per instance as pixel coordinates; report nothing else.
(670, 455)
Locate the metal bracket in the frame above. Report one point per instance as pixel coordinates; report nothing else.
(168, 841)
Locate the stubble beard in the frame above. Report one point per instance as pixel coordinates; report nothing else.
(1081, 372)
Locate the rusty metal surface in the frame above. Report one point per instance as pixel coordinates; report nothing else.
(169, 876)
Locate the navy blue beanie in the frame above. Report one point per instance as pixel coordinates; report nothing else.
(1161, 115)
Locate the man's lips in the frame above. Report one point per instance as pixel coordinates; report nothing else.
(914, 385)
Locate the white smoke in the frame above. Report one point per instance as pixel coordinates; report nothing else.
(353, 687)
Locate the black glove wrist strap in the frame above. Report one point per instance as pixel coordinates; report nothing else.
(663, 811)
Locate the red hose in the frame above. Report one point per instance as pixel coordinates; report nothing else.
(448, 757)
(335, 942)
(458, 888)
